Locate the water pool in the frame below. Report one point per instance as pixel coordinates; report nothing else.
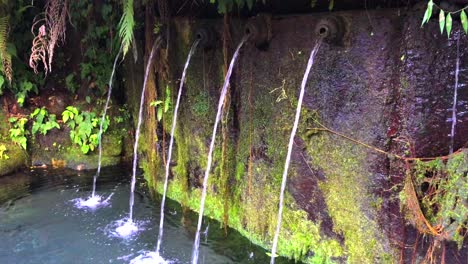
(39, 223)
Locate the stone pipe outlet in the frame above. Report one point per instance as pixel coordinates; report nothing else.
(259, 30)
(206, 36)
(331, 29)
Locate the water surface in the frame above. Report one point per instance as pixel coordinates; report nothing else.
(39, 223)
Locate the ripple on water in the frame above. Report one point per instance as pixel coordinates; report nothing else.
(149, 257)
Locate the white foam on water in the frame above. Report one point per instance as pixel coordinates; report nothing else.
(92, 202)
(124, 228)
(150, 257)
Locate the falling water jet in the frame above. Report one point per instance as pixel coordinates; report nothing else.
(128, 227)
(95, 201)
(290, 146)
(171, 142)
(455, 93)
(196, 244)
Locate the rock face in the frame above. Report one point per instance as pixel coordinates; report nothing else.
(386, 83)
(56, 150)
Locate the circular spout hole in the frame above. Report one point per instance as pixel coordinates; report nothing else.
(248, 31)
(199, 36)
(323, 31)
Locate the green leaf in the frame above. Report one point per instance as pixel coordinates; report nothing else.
(2, 81)
(464, 22)
(126, 25)
(428, 13)
(88, 99)
(332, 3)
(159, 114)
(442, 21)
(448, 24)
(84, 148)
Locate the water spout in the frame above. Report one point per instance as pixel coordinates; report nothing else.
(290, 146)
(196, 244)
(259, 31)
(171, 142)
(331, 29)
(103, 119)
(156, 45)
(206, 37)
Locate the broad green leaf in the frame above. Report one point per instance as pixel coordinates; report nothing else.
(65, 116)
(442, 21)
(448, 24)
(428, 13)
(85, 149)
(464, 22)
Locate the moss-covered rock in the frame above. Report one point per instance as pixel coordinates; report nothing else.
(13, 158)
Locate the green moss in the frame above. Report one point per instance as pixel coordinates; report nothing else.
(17, 158)
(442, 192)
(347, 197)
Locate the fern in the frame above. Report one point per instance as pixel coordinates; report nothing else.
(126, 25)
(5, 56)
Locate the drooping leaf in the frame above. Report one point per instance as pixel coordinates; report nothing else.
(442, 21)
(331, 5)
(428, 13)
(464, 21)
(159, 114)
(126, 25)
(448, 24)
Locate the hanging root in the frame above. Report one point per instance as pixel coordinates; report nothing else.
(39, 50)
(50, 34)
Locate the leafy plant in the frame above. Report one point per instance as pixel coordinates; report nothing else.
(18, 132)
(126, 25)
(22, 89)
(162, 106)
(84, 128)
(43, 121)
(70, 83)
(3, 155)
(445, 18)
(225, 6)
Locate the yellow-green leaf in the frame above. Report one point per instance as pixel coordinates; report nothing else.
(464, 21)
(448, 24)
(442, 21)
(428, 13)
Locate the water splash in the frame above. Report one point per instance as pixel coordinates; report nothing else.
(103, 119)
(455, 93)
(125, 228)
(93, 202)
(156, 45)
(171, 142)
(290, 146)
(210, 153)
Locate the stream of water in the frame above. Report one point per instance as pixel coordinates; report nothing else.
(95, 201)
(455, 93)
(290, 146)
(127, 227)
(196, 243)
(171, 143)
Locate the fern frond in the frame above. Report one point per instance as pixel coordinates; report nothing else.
(126, 25)
(4, 55)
